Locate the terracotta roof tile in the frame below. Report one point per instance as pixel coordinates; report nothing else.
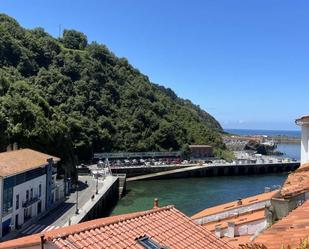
(18, 161)
(291, 229)
(167, 226)
(238, 220)
(297, 182)
(231, 205)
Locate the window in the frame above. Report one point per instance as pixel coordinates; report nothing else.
(17, 202)
(27, 195)
(31, 193)
(148, 243)
(7, 201)
(40, 190)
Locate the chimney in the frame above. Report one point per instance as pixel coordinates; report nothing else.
(239, 202)
(9, 147)
(15, 146)
(218, 231)
(231, 229)
(267, 189)
(156, 203)
(42, 240)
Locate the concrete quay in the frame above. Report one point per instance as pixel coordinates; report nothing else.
(90, 205)
(208, 170)
(132, 171)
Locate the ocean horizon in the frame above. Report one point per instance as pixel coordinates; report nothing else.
(243, 132)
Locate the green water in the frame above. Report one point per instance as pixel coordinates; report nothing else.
(191, 195)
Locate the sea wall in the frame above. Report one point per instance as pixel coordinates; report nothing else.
(221, 170)
(143, 170)
(103, 206)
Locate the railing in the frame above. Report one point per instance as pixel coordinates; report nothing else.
(30, 201)
(7, 211)
(137, 154)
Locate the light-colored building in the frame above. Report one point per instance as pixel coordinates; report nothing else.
(304, 123)
(28, 187)
(237, 221)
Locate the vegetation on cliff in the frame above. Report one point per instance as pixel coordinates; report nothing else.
(68, 97)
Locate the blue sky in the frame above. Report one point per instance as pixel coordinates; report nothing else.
(245, 62)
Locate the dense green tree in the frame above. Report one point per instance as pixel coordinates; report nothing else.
(71, 99)
(74, 39)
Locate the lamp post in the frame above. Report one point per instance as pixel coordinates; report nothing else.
(97, 184)
(76, 212)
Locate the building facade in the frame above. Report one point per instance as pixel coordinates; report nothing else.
(27, 187)
(304, 123)
(200, 151)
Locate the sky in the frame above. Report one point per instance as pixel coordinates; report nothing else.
(244, 62)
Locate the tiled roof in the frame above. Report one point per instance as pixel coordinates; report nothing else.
(238, 240)
(297, 182)
(237, 219)
(18, 161)
(166, 226)
(288, 231)
(234, 204)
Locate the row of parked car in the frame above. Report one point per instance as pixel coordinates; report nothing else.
(145, 162)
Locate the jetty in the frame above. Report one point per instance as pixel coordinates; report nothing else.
(208, 170)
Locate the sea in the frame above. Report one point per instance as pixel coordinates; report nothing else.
(289, 150)
(191, 195)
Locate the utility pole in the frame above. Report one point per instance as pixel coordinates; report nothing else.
(59, 30)
(97, 184)
(76, 212)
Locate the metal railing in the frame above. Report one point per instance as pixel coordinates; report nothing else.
(29, 202)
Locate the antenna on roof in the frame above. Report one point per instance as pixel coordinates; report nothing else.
(60, 28)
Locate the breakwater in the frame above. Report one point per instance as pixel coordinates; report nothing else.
(132, 171)
(220, 170)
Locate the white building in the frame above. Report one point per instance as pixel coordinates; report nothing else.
(27, 187)
(304, 123)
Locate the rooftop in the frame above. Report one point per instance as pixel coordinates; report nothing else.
(199, 146)
(237, 219)
(18, 161)
(166, 226)
(291, 229)
(302, 120)
(234, 204)
(297, 182)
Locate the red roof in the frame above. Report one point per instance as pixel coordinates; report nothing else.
(290, 230)
(18, 161)
(297, 182)
(166, 226)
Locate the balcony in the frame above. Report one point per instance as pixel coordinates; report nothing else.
(29, 202)
(7, 211)
(54, 170)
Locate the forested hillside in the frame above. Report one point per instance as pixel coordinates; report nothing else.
(71, 98)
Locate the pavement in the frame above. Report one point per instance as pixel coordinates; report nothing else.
(65, 213)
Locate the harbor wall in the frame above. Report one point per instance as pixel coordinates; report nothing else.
(143, 170)
(221, 170)
(104, 205)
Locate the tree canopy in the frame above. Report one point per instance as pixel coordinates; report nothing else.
(70, 98)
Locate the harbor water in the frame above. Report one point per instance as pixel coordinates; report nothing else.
(190, 195)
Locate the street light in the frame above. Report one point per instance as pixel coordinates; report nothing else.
(76, 212)
(97, 184)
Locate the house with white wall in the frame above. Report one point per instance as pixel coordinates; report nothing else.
(237, 220)
(304, 123)
(27, 187)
